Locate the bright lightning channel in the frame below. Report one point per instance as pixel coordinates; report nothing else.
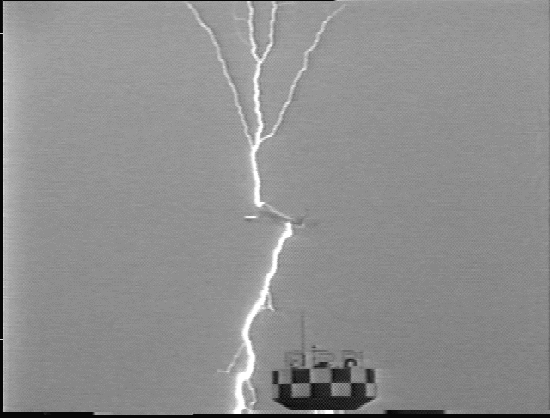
(264, 300)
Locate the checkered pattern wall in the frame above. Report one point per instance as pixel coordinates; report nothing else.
(324, 388)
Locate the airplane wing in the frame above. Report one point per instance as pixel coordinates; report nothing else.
(275, 212)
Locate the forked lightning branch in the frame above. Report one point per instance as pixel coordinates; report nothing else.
(245, 402)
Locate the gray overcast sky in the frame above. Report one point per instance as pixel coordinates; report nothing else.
(418, 138)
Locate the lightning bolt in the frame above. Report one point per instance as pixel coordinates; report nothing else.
(255, 140)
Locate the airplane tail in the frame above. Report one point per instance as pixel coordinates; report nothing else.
(301, 220)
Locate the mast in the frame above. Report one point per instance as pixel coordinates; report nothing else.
(303, 332)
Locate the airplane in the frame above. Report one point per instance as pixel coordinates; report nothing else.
(267, 211)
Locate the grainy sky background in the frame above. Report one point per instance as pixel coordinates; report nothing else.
(418, 138)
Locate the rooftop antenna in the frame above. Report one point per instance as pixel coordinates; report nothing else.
(303, 335)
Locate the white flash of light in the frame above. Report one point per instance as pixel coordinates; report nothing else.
(264, 300)
(245, 375)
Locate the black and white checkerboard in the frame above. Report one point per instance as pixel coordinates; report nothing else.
(324, 388)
